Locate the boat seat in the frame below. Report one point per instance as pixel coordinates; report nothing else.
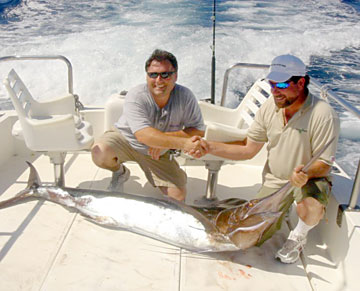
(52, 127)
(226, 125)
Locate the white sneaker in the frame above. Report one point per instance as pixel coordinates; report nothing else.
(291, 250)
(118, 179)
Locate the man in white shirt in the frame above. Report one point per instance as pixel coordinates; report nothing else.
(295, 125)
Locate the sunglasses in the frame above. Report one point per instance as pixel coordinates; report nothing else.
(163, 75)
(280, 85)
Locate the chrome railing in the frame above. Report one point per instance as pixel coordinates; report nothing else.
(328, 93)
(78, 105)
(325, 93)
(229, 70)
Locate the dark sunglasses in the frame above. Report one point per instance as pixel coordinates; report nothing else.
(163, 75)
(280, 85)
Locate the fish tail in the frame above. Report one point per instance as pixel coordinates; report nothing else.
(33, 183)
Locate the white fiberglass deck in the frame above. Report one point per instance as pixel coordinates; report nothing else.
(44, 246)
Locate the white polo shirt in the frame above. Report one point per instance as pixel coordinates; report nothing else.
(293, 144)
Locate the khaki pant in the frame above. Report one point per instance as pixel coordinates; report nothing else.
(164, 172)
(318, 188)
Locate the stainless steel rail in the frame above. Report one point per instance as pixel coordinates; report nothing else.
(55, 57)
(326, 93)
(343, 103)
(78, 104)
(229, 70)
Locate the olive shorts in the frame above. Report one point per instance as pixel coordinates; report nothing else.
(164, 172)
(318, 188)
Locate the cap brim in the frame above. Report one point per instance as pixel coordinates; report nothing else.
(278, 76)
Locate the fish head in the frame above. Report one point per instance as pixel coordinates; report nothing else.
(249, 231)
(227, 218)
(256, 206)
(231, 216)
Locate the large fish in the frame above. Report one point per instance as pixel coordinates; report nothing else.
(165, 219)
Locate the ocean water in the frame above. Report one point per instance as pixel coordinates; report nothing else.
(108, 42)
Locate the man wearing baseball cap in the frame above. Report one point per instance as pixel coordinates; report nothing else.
(295, 125)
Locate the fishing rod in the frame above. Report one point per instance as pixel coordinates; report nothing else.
(212, 99)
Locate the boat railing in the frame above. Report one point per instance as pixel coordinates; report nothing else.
(78, 104)
(325, 93)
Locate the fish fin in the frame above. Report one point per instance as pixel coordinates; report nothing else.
(19, 197)
(34, 179)
(247, 228)
(264, 218)
(230, 202)
(33, 182)
(221, 204)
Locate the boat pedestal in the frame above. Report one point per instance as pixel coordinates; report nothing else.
(210, 198)
(58, 159)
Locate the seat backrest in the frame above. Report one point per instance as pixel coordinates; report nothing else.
(47, 126)
(19, 94)
(22, 101)
(255, 97)
(22, 97)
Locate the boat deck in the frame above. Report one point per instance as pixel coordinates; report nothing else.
(44, 246)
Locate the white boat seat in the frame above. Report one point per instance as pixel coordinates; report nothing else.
(51, 126)
(225, 122)
(226, 125)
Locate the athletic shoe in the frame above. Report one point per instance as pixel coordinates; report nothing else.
(291, 250)
(118, 180)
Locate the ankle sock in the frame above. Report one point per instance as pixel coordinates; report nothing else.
(120, 171)
(301, 229)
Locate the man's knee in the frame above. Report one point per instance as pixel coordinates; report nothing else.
(96, 154)
(103, 156)
(176, 193)
(310, 207)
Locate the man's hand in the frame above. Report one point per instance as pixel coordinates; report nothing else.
(154, 153)
(298, 177)
(202, 147)
(192, 144)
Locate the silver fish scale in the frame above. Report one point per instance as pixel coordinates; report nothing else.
(170, 225)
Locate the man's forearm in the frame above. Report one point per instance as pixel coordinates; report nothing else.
(234, 151)
(187, 132)
(156, 139)
(318, 169)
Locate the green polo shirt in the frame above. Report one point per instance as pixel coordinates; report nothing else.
(293, 144)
